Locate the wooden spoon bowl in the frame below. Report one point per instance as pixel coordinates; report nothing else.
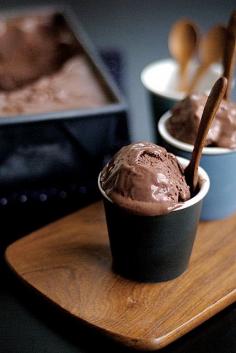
(211, 49)
(183, 42)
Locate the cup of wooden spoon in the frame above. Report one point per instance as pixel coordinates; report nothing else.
(183, 44)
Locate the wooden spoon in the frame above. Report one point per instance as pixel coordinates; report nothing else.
(229, 53)
(232, 23)
(183, 41)
(211, 50)
(212, 104)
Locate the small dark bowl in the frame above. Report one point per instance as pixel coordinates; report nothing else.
(154, 248)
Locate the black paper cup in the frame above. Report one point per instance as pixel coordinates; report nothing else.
(154, 248)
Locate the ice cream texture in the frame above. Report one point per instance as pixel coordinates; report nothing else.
(145, 179)
(73, 86)
(43, 67)
(186, 116)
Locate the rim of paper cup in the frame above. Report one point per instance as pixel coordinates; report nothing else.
(183, 145)
(204, 182)
(174, 96)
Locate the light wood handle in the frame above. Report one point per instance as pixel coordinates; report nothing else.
(229, 53)
(197, 76)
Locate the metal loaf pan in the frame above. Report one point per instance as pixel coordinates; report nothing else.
(58, 150)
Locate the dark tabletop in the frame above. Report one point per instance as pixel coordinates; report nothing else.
(138, 30)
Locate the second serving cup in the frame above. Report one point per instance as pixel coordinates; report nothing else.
(219, 163)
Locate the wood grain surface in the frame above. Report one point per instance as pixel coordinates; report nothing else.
(69, 262)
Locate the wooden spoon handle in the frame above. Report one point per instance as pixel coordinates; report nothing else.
(213, 102)
(229, 53)
(183, 76)
(197, 76)
(228, 62)
(232, 23)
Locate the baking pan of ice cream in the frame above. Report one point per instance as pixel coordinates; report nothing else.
(47, 66)
(60, 110)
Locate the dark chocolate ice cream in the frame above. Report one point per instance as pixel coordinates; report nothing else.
(73, 86)
(43, 68)
(31, 47)
(145, 179)
(185, 119)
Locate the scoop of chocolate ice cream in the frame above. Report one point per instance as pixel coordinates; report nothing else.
(145, 179)
(32, 46)
(73, 86)
(186, 116)
(43, 68)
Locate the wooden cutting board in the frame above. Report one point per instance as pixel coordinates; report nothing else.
(69, 262)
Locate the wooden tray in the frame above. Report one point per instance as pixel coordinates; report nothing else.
(69, 262)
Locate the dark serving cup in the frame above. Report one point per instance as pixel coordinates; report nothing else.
(154, 248)
(40, 151)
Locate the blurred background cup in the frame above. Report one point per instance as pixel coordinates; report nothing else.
(160, 80)
(154, 248)
(220, 165)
